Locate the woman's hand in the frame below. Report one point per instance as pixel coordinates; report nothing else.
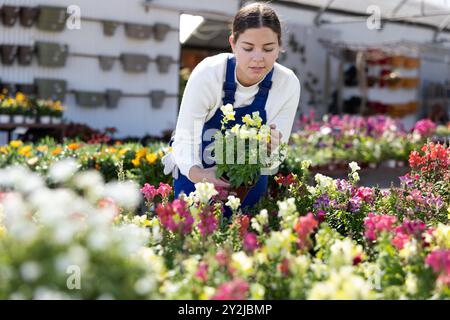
(197, 174)
(275, 138)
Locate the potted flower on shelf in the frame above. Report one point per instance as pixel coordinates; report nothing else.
(241, 153)
(57, 112)
(6, 104)
(44, 111)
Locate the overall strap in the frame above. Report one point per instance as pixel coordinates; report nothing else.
(264, 87)
(229, 86)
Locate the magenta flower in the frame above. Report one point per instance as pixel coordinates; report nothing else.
(376, 224)
(222, 257)
(164, 190)
(425, 127)
(202, 271)
(149, 191)
(408, 229)
(250, 241)
(175, 216)
(439, 261)
(233, 290)
(208, 221)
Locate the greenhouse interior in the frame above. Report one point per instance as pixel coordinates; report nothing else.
(334, 180)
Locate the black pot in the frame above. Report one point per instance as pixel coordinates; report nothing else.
(25, 55)
(8, 53)
(10, 15)
(28, 16)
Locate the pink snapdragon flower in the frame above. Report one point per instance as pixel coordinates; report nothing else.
(175, 216)
(149, 191)
(376, 224)
(236, 289)
(250, 241)
(164, 190)
(208, 221)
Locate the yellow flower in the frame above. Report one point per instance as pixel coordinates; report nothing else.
(123, 151)
(136, 161)
(151, 158)
(57, 151)
(20, 97)
(160, 154)
(15, 143)
(4, 149)
(42, 148)
(248, 120)
(141, 153)
(25, 151)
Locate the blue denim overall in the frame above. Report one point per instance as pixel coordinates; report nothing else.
(183, 184)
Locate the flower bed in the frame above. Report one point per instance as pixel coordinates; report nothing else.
(330, 240)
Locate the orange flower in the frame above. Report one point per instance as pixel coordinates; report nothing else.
(57, 151)
(73, 146)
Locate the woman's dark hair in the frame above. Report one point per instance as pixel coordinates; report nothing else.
(256, 15)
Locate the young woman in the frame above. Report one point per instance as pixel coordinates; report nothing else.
(250, 80)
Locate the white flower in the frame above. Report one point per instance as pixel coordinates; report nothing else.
(325, 182)
(63, 170)
(343, 252)
(355, 176)
(125, 194)
(354, 166)
(228, 111)
(279, 243)
(233, 202)
(205, 191)
(257, 291)
(325, 131)
(242, 262)
(30, 271)
(287, 212)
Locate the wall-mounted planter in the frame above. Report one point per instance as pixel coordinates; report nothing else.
(134, 62)
(160, 30)
(106, 62)
(164, 63)
(51, 88)
(51, 18)
(112, 98)
(10, 14)
(27, 89)
(109, 27)
(138, 31)
(25, 55)
(157, 97)
(8, 53)
(89, 98)
(51, 54)
(28, 16)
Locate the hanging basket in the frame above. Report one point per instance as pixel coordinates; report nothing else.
(106, 62)
(109, 27)
(8, 53)
(157, 97)
(25, 55)
(28, 16)
(10, 15)
(52, 54)
(89, 98)
(163, 63)
(160, 30)
(112, 98)
(134, 62)
(51, 18)
(54, 89)
(138, 31)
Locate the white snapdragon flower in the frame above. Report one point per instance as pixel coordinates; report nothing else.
(63, 170)
(354, 166)
(242, 262)
(205, 191)
(228, 111)
(233, 202)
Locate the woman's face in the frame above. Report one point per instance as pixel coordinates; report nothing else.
(256, 50)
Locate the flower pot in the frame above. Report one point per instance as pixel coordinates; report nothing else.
(45, 119)
(134, 62)
(25, 54)
(106, 62)
(163, 63)
(161, 30)
(28, 16)
(18, 118)
(52, 54)
(390, 163)
(138, 31)
(5, 118)
(30, 119)
(109, 27)
(241, 192)
(112, 97)
(9, 53)
(89, 98)
(54, 89)
(56, 120)
(10, 15)
(157, 98)
(52, 18)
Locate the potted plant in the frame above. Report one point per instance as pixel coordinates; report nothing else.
(44, 111)
(57, 112)
(241, 153)
(5, 108)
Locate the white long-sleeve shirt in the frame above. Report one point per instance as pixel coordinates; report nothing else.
(203, 96)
